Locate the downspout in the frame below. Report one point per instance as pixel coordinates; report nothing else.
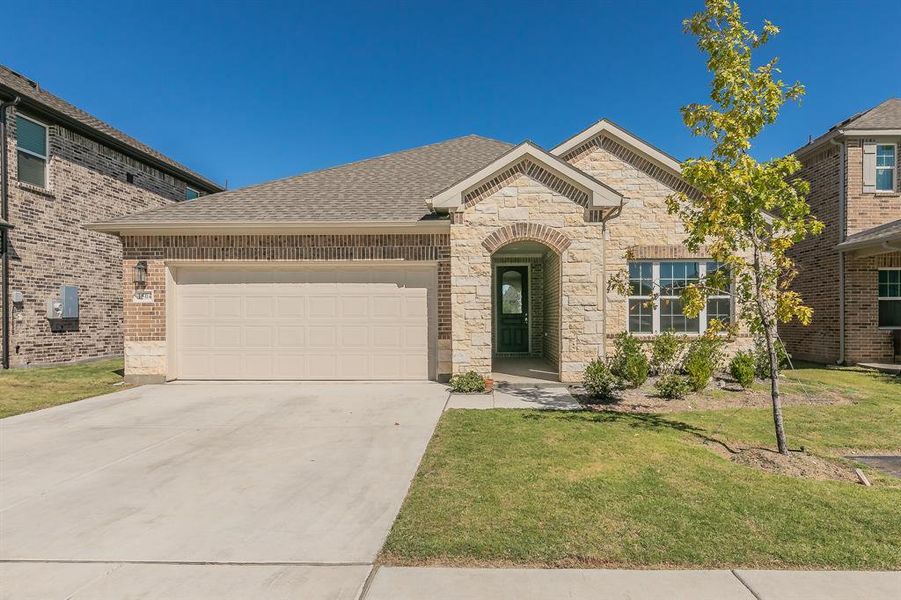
(4, 214)
(841, 253)
(604, 233)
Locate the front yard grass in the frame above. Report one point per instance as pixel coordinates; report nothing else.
(512, 487)
(25, 390)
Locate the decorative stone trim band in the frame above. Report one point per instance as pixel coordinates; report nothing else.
(665, 251)
(526, 231)
(534, 171)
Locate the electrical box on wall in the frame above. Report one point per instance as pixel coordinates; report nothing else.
(65, 306)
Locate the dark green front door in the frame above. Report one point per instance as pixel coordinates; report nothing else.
(512, 305)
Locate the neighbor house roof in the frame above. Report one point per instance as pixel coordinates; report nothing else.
(882, 119)
(390, 188)
(883, 238)
(38, 100)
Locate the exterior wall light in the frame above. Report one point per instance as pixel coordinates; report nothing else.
(140, 273)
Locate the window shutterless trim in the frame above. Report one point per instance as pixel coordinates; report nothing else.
(893, 168)
(886, 299)
(43, 157)
(655, 281)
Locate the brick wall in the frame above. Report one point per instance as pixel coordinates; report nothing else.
(145, 324)
(867, 210)
(817, 263)
(86, 183)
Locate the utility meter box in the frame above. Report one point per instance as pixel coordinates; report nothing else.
(65, 306)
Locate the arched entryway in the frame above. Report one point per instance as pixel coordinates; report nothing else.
(526, 311)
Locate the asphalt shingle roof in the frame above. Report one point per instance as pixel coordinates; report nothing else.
(14, 84)
(886, 115)
(393, 187)
(874, 235)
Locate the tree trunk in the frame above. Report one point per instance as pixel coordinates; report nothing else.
(770, 334)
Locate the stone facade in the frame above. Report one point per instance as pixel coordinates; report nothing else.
(820, 266)
(86, 182)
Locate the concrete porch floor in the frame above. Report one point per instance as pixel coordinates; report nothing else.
(525, 370)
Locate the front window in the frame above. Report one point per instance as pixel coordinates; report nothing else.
(31, 146)
(890, 298)
(885, 167)
(669, 279)
(191, 193)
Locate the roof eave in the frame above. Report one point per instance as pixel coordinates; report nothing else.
(42, 109)
(272, 227)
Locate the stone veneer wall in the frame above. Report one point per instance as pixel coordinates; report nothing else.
(644, 229)
(145, 324)
(86, 182)
(524, 208)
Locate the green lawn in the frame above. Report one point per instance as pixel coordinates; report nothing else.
(24, 390)
(615, 489)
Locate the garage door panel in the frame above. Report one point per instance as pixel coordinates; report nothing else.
(318, 323)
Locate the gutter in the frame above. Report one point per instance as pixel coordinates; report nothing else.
(841, 253)
(243, 227)
(4, 231)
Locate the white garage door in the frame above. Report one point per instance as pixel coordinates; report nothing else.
(344, 322)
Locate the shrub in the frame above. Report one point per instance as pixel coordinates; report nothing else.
(600, 381)
(665, 352)
(762, 358)
(742, 367)
(672, 386)
(467, 382)
(629, 362)
(702, 359)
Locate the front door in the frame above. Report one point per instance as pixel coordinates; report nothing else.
(512, 305)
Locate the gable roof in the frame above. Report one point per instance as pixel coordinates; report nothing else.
(38, 100)
(600, 194)
(387, 189)
(882, 119)
(632, 141)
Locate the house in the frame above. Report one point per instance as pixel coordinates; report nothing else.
(456, 256)
(851, 274)
(65, 168)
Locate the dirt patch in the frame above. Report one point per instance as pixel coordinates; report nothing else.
(795, 464)
(721, 394)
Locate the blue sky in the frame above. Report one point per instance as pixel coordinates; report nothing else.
(252, 91)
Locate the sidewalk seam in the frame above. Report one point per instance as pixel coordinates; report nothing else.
(746, 584)
(367, 584)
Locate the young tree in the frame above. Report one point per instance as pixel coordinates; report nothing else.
(747, 214)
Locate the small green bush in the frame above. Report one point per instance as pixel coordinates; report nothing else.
(629, 362)
(742, 367)
(599, 380)
(672, 386)
(467, 383)
(762, 358)
(665, 351)
(702, 359)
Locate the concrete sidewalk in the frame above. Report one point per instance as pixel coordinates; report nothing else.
(403, 583)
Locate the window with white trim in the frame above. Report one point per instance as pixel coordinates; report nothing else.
(890, 298)
(191, 193)
(886, 155)
(31, 151)
(668, 279)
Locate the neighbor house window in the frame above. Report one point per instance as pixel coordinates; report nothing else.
(667, 280)
(191, 193)
(31, 145)
(885, 167)
(890, 298)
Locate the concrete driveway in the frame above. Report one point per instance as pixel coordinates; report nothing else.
(190, 490)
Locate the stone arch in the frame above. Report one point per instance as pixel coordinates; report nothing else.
(548, 236)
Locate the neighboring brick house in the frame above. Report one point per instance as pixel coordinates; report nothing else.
(66, 168)
(851, 274)
(419, 264)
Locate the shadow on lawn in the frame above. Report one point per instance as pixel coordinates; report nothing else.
(653, 422)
